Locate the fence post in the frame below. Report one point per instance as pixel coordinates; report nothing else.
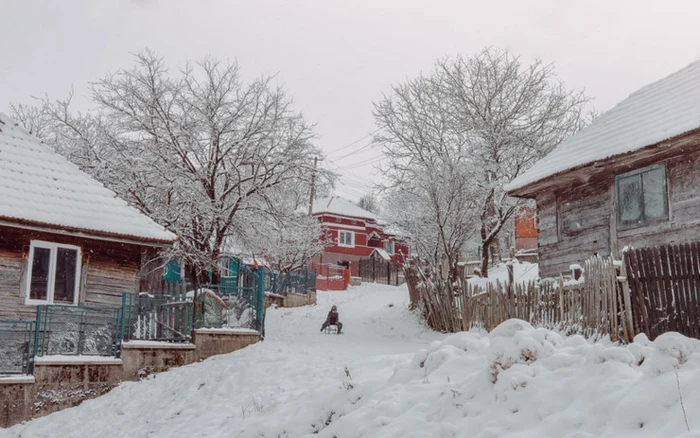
(36, 333)
(123, 322)
(260, 310)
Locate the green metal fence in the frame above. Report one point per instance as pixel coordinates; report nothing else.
(78, 330)
(16, 346)
(236, 302)
(157, 317)
(298, 282)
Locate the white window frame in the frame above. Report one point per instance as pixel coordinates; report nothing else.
(50, 288)
(344, 244)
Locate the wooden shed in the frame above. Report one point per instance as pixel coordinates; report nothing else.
(629, 178)
(64, 237)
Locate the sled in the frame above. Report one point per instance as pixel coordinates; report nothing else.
(332, 330)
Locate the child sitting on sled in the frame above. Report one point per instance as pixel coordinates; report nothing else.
(332, 319)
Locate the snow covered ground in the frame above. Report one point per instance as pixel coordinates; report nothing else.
(522, 273)
(387, 376)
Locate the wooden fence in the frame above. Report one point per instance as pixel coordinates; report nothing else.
(665, 283)
(598, 305)
(374, 270)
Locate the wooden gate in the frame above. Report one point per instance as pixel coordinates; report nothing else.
(665, 283)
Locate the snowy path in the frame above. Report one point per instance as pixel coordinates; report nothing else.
(404, 381)
(286, 383)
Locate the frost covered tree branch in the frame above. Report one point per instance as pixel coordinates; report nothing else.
(197, 149)
(456, 136)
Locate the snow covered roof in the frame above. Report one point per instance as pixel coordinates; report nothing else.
(340, 207)
(39, 186)
(659, 111)
(382, 253)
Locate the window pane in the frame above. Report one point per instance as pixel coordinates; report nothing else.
(64, 287)
(40, 274)
(654, 183)
(389, 246)
(630, 199)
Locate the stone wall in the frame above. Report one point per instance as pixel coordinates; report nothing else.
(61, 382)
(274, 299)
(144, 358)
(210, 342)
(290, 300)
(16, 400)
(298, 300)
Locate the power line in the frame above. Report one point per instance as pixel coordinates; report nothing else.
(365, 163)
(355, 142)
(362, 148)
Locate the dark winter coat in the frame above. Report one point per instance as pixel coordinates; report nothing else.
(332, 318)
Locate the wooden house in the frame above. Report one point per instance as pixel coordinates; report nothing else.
(64, 237)
(355, 234)
(629, 178)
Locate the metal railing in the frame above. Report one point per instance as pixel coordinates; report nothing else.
(299, 282)
(78, 330)
(237, 302)
(157, 317)
(17, 340)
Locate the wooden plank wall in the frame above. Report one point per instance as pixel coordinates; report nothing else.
(578, 221)
(573, 227)
(108, 269)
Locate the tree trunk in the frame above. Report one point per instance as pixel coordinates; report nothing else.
(484, 250)
(485, 259)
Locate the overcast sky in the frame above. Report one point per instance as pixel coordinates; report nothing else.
(336, 57)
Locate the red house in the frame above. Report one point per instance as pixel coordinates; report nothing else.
(355, 235)
(526, 230)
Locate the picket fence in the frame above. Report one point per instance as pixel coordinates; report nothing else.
(594, 306)
(665, 286)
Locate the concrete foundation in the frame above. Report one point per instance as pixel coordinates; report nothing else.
(298, 300)
(64, 383)
(290, 300)
(61, 382)
(144, 358)
(210, 342)
(274, 299)
(16, 400)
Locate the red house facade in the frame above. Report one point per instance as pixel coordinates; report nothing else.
(355, 234)
(526, 230)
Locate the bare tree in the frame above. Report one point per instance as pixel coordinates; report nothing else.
(430, 173)
(485, 120)
(198, 150)
(369, 202)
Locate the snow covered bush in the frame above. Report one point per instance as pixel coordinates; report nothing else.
(516, 342)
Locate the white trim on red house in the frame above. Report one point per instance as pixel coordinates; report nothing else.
(351, 234)
(348, 227)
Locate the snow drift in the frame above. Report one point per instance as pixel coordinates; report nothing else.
(389, 377)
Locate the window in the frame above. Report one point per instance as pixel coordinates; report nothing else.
(642, 196)
(346, 238)
(53, 275)
(389, 247)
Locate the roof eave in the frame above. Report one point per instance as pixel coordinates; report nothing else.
(84, 233)
(531, 189)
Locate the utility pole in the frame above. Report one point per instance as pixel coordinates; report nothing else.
(313, 187)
